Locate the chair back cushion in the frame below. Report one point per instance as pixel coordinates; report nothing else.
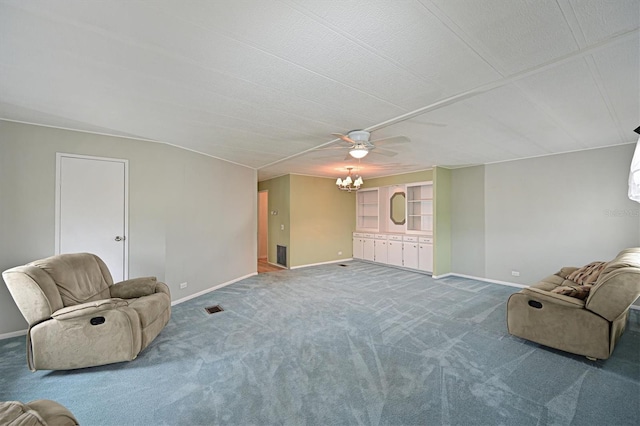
(618, 285)
(35, 293)
(80, 277)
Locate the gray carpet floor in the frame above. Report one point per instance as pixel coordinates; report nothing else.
(360, 344)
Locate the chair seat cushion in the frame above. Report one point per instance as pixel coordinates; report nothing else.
(578, 291)
(149, 308)
(549, 283)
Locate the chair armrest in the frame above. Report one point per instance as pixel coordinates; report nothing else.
(557, 299)
(134, 288)
(614, 293)
(88, 309)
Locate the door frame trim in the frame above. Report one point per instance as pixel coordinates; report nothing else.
(59, 157)
(267, 230)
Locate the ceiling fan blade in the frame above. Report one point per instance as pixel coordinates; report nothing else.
(429, 123)
(390, 140)
(331, 148)
(385, 152)
(343, 137)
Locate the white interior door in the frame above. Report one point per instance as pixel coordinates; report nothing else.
(91, 209)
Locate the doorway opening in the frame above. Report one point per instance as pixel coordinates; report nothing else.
(263, 231)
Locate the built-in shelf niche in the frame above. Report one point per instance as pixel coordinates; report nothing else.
(373, 209)
(368, 210)
(420, 208)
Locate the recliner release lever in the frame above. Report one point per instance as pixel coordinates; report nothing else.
(535, 304)
(97, 320)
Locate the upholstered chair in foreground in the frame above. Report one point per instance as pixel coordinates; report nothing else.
(579, 310)
(42, 412)
(78, 318)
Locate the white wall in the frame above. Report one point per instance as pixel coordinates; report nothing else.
(185, 223)
(543, 213)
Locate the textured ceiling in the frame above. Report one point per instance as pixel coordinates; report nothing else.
(264, 83)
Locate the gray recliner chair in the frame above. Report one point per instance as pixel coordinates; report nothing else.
(78, 318)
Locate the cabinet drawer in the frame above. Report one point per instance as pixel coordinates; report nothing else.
(426, 240)
(395, 237)
(368, 235)
(410, 239)
(381, 237)
(358, 234)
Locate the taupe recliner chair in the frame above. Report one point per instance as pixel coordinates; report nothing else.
(78, 318)
(42, 412)
(588, 327)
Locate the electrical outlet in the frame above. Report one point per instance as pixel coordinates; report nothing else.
(282, 227)
(515, 273)
(183, 285)
(339, 253)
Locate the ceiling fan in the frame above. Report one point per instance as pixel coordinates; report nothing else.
(360, 145)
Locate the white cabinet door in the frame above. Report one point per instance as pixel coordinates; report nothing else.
(410, 255)
(425, 257)
(357, 248)
(367, 249)
(394, 253)
(380, 251)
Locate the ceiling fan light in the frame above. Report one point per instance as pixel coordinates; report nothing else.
(358, 153)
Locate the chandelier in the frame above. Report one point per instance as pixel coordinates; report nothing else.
(348, 184)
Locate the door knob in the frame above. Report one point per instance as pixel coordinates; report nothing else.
(119, 238)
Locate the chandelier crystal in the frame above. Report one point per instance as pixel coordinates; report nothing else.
(348, 184)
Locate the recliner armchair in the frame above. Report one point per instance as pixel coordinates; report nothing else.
(79, 318)
(590, 327)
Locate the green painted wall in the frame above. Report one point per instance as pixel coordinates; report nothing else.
(279, 200)
(421, 176)
(442, 217)
(322, 221)
(318, 219)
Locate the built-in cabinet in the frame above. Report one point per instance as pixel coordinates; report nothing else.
(368, 210)
(420, 208)
(425, 254)
(394, 253)
(384, 237)
(408, 251)
(380, 249)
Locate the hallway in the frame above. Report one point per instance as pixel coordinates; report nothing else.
(264, 266)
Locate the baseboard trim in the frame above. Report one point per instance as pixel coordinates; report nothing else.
(437, 277)
(209, 290)
(487, 280)
(277, 265)
(13, 334)
(322, 263)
